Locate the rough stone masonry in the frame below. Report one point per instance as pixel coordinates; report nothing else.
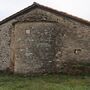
(40, 40)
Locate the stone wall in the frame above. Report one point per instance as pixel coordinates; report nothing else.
(42, 42)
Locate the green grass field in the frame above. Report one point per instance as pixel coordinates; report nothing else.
(46, 82)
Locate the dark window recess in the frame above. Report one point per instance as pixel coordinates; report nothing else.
(77, 51)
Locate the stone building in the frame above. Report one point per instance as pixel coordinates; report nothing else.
(40, 40)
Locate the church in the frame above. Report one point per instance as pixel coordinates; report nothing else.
(39, 39)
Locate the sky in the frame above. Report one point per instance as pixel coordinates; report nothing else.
(79, 8)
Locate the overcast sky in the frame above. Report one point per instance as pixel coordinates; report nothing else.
(80, 8)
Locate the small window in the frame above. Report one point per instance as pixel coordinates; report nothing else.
(77, 51)
(27, 31)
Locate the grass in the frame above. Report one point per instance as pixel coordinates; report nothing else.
(45, 82)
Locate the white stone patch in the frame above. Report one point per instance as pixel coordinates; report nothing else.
(57, 65)
(19, 39)
(31, 40)
(58, 53)
(49, 61)
(57, 59)
(28, 31)
(28, 54)
(21, 50)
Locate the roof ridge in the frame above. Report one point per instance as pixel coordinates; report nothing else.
(34, 5)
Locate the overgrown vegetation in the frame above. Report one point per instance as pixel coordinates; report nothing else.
(45, 82)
